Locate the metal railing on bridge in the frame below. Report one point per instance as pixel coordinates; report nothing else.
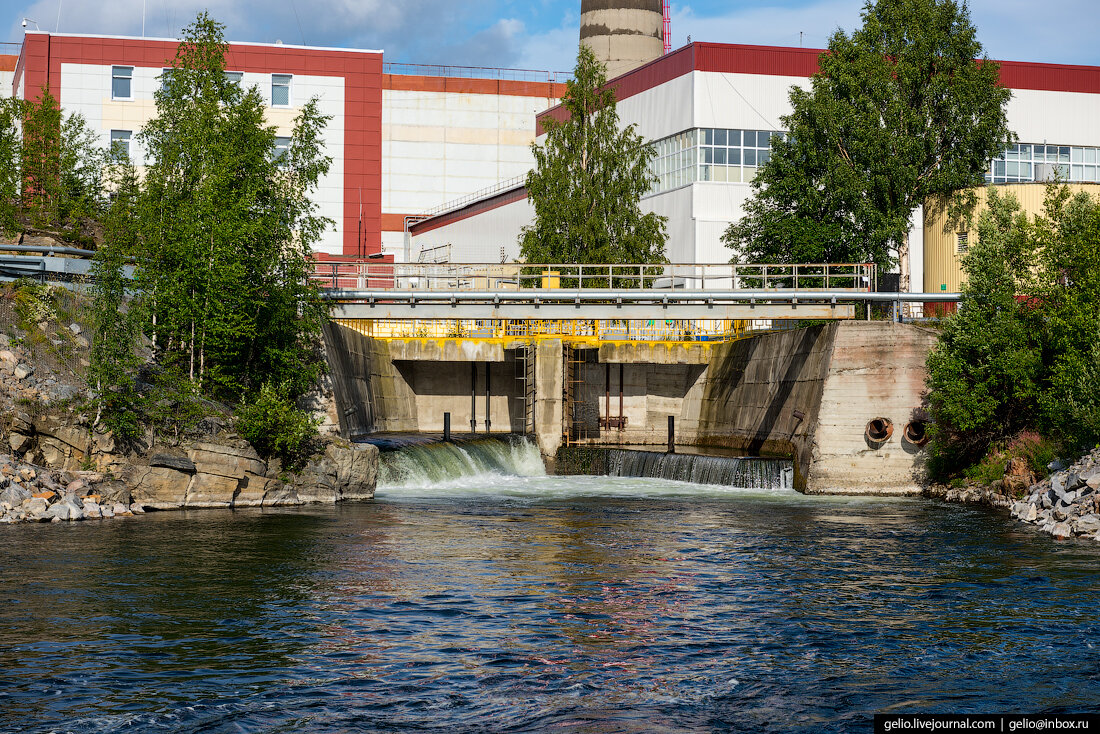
(368, 275)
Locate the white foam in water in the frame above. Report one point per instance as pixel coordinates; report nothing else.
(513, 468)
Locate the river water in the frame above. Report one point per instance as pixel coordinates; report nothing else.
(544, 604)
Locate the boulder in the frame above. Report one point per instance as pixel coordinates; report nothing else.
(225, 460)
(23, 371)
(14, 495)
(1061, 531)
(179, 463)
(20, 443)
(92, 509)
(1031, 513)
(35, 506)
(159, 487)
(7, 357)
(211, 490)
(346, 471)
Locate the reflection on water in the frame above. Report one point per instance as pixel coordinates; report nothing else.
(576, 604)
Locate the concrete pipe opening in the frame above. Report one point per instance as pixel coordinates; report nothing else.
(879, 430)
(916, 433)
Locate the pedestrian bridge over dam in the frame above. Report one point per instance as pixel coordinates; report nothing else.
(776, 360)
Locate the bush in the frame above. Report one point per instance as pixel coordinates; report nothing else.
(276, 427)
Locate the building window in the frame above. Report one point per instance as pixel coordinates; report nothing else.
(962, 242)
(236, 77)
(282, 147)
(280, 90)
(122, 79)
(710, 154)
(165, 75)
(120, 145)
(1029, 162)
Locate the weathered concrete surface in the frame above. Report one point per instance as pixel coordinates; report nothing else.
(371, 393)
(445, 387)
(877, 370)
(755, 391)
(655, 353)
(549, 376)
(446, 350)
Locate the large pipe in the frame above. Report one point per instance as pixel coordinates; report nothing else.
(606, 295)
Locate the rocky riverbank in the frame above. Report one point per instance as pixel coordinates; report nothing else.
(56, 465)
(1066, 504)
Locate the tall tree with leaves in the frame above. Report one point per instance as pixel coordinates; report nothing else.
(10, 117)
(115, 320)
(898, 113)
(588, 179)
(228, 228)
(61, 166)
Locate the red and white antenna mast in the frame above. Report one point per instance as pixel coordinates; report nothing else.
(667, 30)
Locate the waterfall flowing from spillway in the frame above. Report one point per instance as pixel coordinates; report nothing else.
(742, 472)
(429, 464)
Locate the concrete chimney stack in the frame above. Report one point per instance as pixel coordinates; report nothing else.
(624, 34)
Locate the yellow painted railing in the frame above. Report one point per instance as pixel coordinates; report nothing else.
(589, 331)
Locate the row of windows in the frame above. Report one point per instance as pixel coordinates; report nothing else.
(122, 80)
(1031, 162)
(120, 145)
(710, 154)
(716, 154)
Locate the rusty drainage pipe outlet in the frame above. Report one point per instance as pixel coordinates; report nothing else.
(916, 433)
(879, 430)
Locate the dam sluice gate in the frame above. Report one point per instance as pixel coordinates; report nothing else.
(811, 395)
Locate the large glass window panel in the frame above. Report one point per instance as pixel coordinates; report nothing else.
(708, 155)
(1090, 173)
(1063, 170)
(720, 156)
(734, 158)
(750, 157)
(1077, 173)
(763, 157)
(1025, 172)
(733, 174)
(1089, 155)
(734, 138)
(1012, 169)
(704, 173)
(1063, 154)
(999, 169)
(720, 137)
(1077, 155)
(1025, 151)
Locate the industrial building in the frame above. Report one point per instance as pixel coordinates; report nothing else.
(712, 110)
(428, 161)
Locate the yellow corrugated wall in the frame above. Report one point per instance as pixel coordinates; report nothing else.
(942, 269)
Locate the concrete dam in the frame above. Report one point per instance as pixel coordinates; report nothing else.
(840, 400)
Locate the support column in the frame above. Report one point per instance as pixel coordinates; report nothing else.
(550, 381)
(488, 399)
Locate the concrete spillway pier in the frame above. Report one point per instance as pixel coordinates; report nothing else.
(808, 394)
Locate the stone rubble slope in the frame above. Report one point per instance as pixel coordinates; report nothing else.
(1067, 503)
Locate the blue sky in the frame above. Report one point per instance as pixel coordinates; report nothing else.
(542, 34)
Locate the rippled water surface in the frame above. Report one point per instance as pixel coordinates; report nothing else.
(573, 604)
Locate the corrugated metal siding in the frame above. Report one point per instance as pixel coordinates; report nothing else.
(942, 264)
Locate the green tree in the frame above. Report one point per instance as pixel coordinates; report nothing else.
(115, 322)
(1022, 351)
(228, 229)
(61, 167)
(588, 179)
(984, 376)
(1068, 238)
(10, 117)
(898, 113)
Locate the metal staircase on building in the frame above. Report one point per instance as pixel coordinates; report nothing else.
(574, 426)
(525, 377)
